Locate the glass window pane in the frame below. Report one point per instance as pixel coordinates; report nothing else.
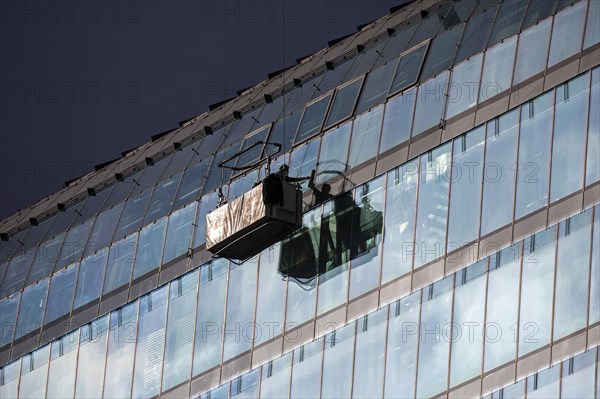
(502, 307)
(270, 304)
(150, 247)
(331, 234)
(365, 136)
(367, 225)
(408, 69)
(508, 21)
(369, 355)
(544, 384)
(536, 291)
(179, 232)
(306, 372)
(333, 154)
(133, 213)
(568, 147)
(211, 307)
(46, 256)
(538, 10)
(430, 104)
(567, 33)
(275, 382)
(190, 186)
(595, 274)
(152, 173)
(465, 190)
(63, 366)
(534, 155)
(60, 297)
(401, 201)
(475, 35)
(34, 373)
(161, 200)
(121, 347)
(313, 117)
(578, 376)
(245, 386)
(397, 120)
(91, 272)
(92, 358)
(432, 213)
(497, 69)
(396, 43)
(8, 318)
(238, 321)
(434, 345)
(74, 244)
(102, 232)
(572, 269)
(592, 27)
(120, 262)
(304, 159)
(121, 190)
(36, 233)
(10, 385)
(284, 129)
(593, 160)
(337, 363)
(150, 343)
(403, 338)
(464, 86)
(32, 308)
(256, 153)
(499, 172)
(532, 51)
(376, 87)
(442, 51)
(344, 102)
(16, 273)
(364, 60)
(180, 330)
(467, 329)
(208, 204)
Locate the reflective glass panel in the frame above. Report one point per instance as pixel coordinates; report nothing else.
(535, 322)
(337, 363)
(578, 376)
(538, 10)
(592, 168)
(161, 200)
(190, 186)
(34, 374)
(133, 213)
(275, 382)
(333, 153)
(103, 229)
(568, 147)
(376, 87)
(46, 256)
(306, 371)
(270, 304)
(595, 273)
(475, 35)
(397, 120)
(499, 172)
(63, 366)
(365, 136)
(74, 244)
(91, 272)
(432, 213)
(31, 310)
(369, 355)
(183, 295)
(408, 69)
(179, 232)
(313, 117)
(10, 379)
(497, 69)
(364, 59)
(465, 190)
(92, 354)
(121, 348)
(149, 248)
(396, 43)
(502, 307)
(592, 28)
(8, 318)
(544, 384)
(430, 104)
(304, 159)
(508, 21)
(121, 257)
(150, 343)
(572, 270)
(567, 33)
(60, 297)
(442, 51)
(15, 275)
(464, 86)
(401, 199)
(534, 155)
(284, 129)
(343, 102)
(208, 204)
(532, 51)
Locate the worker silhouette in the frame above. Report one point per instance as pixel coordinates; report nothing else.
(284, 175)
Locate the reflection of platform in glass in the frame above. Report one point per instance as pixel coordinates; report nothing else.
(247, 225)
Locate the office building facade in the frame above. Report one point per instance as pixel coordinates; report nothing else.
(453, 229)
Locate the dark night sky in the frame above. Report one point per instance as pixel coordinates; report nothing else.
(83, 81)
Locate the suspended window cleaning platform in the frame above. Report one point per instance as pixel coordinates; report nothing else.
(258, 219)
(241, 228)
